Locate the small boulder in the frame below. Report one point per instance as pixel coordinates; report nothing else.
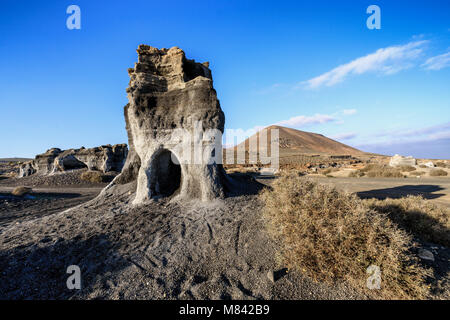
(429, 164)
(426, 255)
(270, 276)
(21, 191)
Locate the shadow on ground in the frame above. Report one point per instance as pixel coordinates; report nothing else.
(426, 191)
(38, 196)
(38, 271)
(241, 184)
(14, 209)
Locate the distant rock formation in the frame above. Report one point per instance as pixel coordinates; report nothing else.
(167, 92)
(398, 160)
(104, 158)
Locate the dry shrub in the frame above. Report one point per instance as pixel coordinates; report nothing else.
(423, 166)
(417, 216)
(383, 171)
(406, 168)
(333, 236)
(387, 173)
(21, 191)
(327, 171)
(356, 174)
(417, 173)
(374, 170)
(94, 176)
(441, 164)
(438, 173)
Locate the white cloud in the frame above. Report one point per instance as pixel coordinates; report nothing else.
(300, 121)
(386, 61)
(432, 141)
(438, 62)
(349, 112)
(344, 136)
(420, 133)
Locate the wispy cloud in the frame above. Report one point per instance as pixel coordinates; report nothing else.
(434, 149)
(438, 62)
(431, 141)
(420, 133)
(349, 112)
(344, 136)
(385, 61)
(300, 121)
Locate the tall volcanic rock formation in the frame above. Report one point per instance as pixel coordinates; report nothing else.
(172, 98)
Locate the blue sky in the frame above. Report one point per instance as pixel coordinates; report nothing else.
(310, 65)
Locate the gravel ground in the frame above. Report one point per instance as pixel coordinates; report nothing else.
(41, 202)
(67, 178)
(161, 250)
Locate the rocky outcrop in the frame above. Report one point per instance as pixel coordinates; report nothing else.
(26, 169)
(171, 98)
(104, 158)
(398, 160)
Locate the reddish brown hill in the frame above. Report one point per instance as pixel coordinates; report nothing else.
(295, 142)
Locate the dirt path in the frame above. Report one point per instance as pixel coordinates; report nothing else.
(435, 189)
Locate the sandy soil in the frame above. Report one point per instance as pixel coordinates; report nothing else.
(435, 189)
(161, 250)
(42, 202)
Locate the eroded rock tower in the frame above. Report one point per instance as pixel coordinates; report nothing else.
(170, 98)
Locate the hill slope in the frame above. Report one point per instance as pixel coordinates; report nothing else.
(295, 142)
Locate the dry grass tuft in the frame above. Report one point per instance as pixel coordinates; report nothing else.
(438, 173)
(327, 171)
(377, 171)
(94, 176)
(21, 191)
(334, 236)
(406, 168)
(417, 216)
(417, 173)
(441, 164)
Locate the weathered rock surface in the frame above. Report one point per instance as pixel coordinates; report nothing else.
(104, 158)
(398, 160)
(170, 98)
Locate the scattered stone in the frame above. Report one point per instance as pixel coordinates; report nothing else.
(268, 171)
(426, 255)
(21, 191)
(270, 276)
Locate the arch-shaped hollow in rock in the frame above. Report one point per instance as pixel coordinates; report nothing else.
(165, 173)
